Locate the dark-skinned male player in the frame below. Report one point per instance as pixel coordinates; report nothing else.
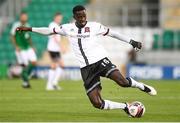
(92, 57)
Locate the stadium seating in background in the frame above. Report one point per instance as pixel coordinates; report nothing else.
(178, 39)
(40, 13)
(168, 40)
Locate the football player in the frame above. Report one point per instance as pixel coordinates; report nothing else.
(92, 57)
(24, 50)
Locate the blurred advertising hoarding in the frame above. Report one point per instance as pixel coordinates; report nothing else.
(143, 71)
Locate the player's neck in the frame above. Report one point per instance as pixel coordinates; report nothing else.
(80, 25)
(23, 23)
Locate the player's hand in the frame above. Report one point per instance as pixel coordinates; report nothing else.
(136, 45)
(23, 29)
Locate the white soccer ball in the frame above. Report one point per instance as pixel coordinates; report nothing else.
(136, 109)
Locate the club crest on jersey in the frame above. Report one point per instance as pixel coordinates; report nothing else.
(86, 29)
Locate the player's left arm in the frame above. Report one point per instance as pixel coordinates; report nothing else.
(113, 34)
(103, 30)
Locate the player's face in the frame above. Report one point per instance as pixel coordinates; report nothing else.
(80, 17)
(58, 19)
(24, 18)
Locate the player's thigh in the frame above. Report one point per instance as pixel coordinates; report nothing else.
(24, 57)
(31, 55)
(61, 62)
(57, 60)
(90, 77)
(19, 57)
(55, 57)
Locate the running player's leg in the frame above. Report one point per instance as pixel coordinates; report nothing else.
(21, 61)
(30, 60)
(110, 71)
(55, 71)
(24, 74)
(51, 75)
(129, 82)
(59, 72)
(19, 58)
(98, 102)
(91, 77)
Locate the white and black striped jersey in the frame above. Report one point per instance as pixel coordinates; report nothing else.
(84, 41)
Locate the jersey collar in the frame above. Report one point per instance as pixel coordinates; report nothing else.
(79, 26)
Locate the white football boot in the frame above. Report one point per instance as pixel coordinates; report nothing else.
(150, 90)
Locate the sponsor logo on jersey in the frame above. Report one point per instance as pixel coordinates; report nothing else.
(83, 36)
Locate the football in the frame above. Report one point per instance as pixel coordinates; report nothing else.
(136, 109)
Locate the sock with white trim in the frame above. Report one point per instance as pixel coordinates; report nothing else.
(51, 75)
(108, 105)
(135, 84)
(58, 74)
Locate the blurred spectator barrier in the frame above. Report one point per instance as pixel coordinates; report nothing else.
(143, 71)
(69, 73)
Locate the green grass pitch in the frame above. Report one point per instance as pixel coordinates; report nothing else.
(72, 104)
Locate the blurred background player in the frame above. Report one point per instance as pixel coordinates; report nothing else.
(54, 48)
(24, 50)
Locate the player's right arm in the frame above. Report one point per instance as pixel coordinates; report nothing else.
(43, 30)
(12, 37)
(13, 40)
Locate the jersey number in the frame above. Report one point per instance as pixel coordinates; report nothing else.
(105, 62)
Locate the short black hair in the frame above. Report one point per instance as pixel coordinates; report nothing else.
(23, 12)
(78, 8)
(57, 14)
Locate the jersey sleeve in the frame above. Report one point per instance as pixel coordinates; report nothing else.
(52, 25)
(59, 30)
(13, 29)
(102, 30)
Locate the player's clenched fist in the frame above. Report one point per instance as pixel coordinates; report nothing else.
(136, 45)
(23, 29)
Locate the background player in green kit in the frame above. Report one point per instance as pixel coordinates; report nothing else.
(24, 51)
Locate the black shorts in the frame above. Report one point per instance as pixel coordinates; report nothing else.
(55, 56)
(91, 74)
